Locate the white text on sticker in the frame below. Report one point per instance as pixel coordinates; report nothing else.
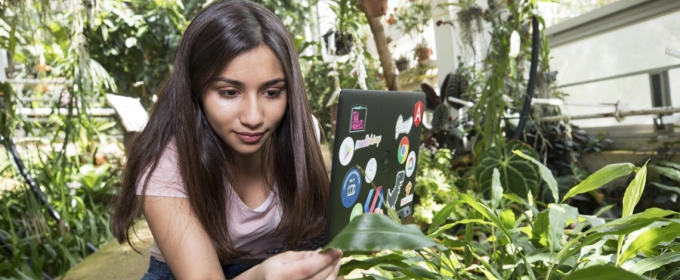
(403, 126)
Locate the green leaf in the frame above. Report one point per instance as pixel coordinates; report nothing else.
(390, 259)
(13, 37)
(642, 266)
(373, 232)
(630, 199)
(559, 216)
(602, 272)
(517, 175)
(508, 218)
(441, 216)
(647, 241)
(600, 178)
(669, 172)
(546, 174)
(485, 211)
(496, 189)
(668, 164)
(666, 187)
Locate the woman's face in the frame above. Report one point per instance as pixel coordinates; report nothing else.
(247, 101)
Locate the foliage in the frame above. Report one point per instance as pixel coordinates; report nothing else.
(412, 17)
(512, 239)
(48, 43)
(135, 42)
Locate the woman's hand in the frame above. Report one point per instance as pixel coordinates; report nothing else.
(298, 265)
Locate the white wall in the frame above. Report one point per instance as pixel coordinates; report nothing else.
(637, 47)
(632, 92)
(633, 48)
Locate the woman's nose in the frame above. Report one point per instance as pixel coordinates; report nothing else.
(251, 112)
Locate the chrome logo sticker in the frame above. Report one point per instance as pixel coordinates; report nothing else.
(403, 150)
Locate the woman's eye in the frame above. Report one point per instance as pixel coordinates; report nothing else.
(228, 93)
(272, 93)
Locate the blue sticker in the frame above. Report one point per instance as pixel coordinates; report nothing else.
(351, 186)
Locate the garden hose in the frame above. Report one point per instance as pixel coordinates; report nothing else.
(535, 46)
(34, 186)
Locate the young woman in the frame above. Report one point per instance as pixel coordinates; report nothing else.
(228, 166)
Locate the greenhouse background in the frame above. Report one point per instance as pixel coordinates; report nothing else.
(549, 148)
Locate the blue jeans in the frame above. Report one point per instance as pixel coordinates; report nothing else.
(159, 270)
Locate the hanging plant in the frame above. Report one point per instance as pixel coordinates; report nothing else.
(423, 52)
(470, 22)
(343, 41)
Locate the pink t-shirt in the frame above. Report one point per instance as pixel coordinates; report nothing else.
(250, 229)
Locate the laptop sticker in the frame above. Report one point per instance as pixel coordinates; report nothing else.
(410, 163)
(403, 150)
(377, 198)
(346, 151)
(358, 121)
(403, 126)
(371, 169)
(409, 197)
(404, 212)
(370, 139)
(356, 211)
(351, 186)
(393, 194)
(418, 113)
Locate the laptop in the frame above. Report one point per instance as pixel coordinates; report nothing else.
(375, 150)
(377, 137)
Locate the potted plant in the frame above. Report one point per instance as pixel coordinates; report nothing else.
(402, 63)
(423, 52)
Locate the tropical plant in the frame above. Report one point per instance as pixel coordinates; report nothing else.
(508, 237)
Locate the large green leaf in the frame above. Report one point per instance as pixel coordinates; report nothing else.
(647, 241)
(373, 232)
(642, 266)
(630, 199)
(517, 174)
(602, 272)
(600, 178)
(546, 174)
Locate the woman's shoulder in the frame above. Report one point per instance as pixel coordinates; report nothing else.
(165, 179)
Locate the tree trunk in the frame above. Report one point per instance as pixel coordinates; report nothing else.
(383, 51)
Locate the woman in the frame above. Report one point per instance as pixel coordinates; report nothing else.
(228, 167)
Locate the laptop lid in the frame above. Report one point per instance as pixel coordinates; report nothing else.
(375, 152)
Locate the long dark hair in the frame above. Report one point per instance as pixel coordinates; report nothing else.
(219, 33)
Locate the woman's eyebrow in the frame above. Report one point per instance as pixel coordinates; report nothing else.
(273, 82)
(241, 84)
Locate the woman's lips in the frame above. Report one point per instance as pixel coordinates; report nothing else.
(249, 137)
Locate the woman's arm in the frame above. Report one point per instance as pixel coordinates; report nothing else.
(179, 235)
(190, 254)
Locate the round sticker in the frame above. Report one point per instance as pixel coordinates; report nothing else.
(351, 186)
(410, 163)
(403, 150)
(346, 151)
(371, 169)
(356, 211)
